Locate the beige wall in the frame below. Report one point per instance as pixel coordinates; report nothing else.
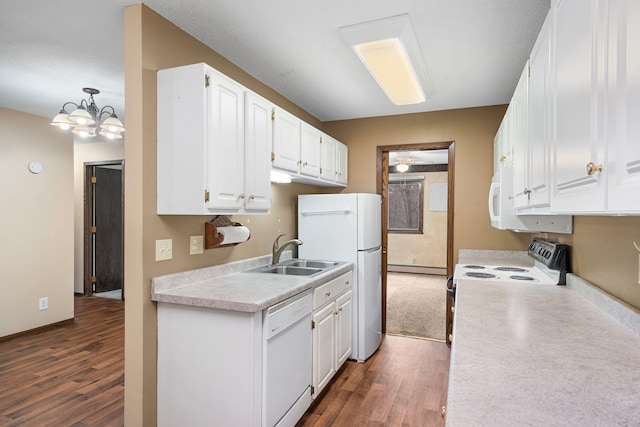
(472, 130)
(37, 223)
(428, 249)
(92, 151)
(152, 44)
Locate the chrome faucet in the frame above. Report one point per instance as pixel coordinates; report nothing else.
(277, 250)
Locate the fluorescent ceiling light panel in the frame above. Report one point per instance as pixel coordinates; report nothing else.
(390, 51)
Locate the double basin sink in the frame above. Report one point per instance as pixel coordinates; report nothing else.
(296, 267)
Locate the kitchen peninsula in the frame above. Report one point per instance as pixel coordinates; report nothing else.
(235, 340)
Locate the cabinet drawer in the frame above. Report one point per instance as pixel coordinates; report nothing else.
(327, 292)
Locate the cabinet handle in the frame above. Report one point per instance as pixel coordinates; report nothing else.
(450, 337)
(299, 162)
(304, 164)
(503, 158)
(593, 168)
(327, 294)
(453, 309)
(527, 191)
(241, 196)
(346, 283)
(251, 197)
(443, 412)
(340, 309)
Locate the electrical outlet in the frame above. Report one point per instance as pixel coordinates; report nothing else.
(43, 303)
(196, 245)
(164, 249)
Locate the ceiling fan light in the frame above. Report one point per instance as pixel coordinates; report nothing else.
(81, 117)
(402, 167)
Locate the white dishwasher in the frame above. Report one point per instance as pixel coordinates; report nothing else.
(286, 383)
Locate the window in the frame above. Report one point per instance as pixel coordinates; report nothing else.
(406, 201)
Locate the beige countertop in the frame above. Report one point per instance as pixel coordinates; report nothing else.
(229, 287)
(524, 354)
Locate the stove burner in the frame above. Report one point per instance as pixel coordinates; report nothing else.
(475, 267)
(480, 275)
(516, 277)
(514, 269)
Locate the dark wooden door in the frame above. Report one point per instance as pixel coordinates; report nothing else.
(108, 224)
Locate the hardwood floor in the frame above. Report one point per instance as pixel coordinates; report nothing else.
(73, 375)
(403, 384)
(67, 375)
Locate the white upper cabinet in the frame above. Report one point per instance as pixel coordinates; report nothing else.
(596, 104)
(520, 136)
(624, 106)
(286, 140)
(328, 157)
(310, 151)
(211, 158)
(225, 148)
(540, 119)
(342, 163)
(577, 75)
(258, 136)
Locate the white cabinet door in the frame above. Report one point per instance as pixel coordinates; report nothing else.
(323, 347)
(624, 106)
(328, 158)
(344, 320)
(520, 133)
(225, 153)
(258, 143)
(286, 140)
(310, 150)
(577, 94)
(539, 118)
(342, 162)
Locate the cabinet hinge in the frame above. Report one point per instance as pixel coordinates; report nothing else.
(93, 287)
(320, 170)
(273, 114)
(93, 229)
(273, 156)
(529, 71)
(206, 80)
(94, 279)
(313, 390)
(313, 326)
(320, 140)
(206, 196)
(93, 179)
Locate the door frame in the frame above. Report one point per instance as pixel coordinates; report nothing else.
(382, 188)
(88, 216)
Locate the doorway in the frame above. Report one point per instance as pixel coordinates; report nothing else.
(383, 173)
(104, 229)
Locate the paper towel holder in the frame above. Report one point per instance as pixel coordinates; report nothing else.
(213, 239)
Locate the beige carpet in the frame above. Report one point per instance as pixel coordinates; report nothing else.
(416, 305)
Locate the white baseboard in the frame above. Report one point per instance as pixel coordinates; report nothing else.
(438, 271)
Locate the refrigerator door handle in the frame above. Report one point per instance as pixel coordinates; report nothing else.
(370, 251)
(337, 211)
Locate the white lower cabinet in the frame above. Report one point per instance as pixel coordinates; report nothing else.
(331, 330)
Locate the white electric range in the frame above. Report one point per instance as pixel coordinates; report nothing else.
(550, 264)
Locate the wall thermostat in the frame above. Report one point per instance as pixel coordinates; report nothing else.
(35, 167)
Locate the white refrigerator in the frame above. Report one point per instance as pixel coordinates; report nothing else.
(347, 227)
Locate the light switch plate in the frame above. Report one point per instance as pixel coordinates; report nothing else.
(196, 245)
(164, 249)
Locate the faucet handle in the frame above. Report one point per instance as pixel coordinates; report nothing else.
(276, 243)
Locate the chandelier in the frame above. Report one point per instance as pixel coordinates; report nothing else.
(86, 119)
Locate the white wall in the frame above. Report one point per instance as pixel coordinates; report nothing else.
(93, 150)
(36, 222)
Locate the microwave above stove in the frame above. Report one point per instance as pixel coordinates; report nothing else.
(503, 215)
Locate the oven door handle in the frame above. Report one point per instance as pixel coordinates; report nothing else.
(451, 290)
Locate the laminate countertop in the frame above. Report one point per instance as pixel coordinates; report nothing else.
(540, 355)
(231, 287)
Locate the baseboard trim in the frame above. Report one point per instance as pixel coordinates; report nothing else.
(437, 271)
(38, 329)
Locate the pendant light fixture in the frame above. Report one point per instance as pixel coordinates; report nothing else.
(87, 119)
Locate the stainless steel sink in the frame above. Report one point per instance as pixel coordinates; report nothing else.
(312, 264)
(288, 270)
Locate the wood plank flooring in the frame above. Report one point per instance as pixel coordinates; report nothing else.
(73, 375)
(67, 375)
(403, 384)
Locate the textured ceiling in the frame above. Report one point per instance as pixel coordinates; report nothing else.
(474, 49)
